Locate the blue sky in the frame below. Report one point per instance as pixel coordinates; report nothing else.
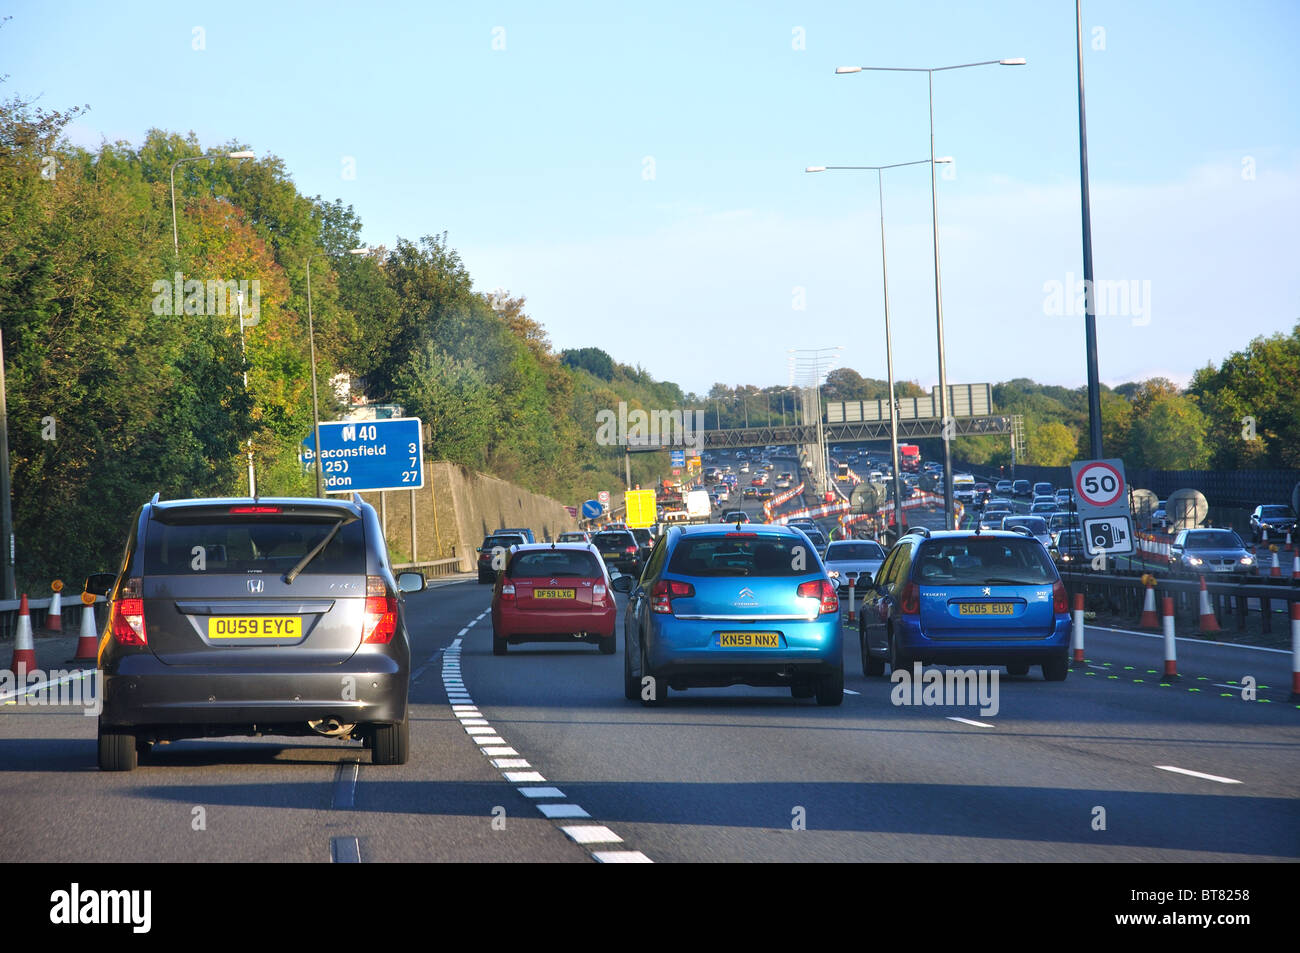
(637, 176)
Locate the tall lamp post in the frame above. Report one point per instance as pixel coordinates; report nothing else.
(938, 293)
(889, 339)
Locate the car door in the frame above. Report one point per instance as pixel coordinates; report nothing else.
(882, 597)
(638, 603)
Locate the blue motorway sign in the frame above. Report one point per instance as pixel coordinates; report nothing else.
(592, 508)
(677, 458)
(365, 455)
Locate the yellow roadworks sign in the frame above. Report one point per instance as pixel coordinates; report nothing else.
(640, 508)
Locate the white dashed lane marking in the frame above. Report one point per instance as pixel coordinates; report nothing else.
(967, 721)
(621, 857)
(1196, 774)
(592, 834)
(562, 810)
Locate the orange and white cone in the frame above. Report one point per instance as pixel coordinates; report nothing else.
(1208, 622)
(1149, 618)
(1295, 568)
(1077, 634)
(1276, 571)
(1295, 651)
(1171, 647)
(24, 658)
(88, 643)
(54, 615)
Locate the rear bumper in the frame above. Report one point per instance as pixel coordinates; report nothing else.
(686, 651)
(144, 691)
(992, 649)
(524, 625)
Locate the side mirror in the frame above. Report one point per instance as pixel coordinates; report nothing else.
(621, 583)
(410, 581)
(100, 583)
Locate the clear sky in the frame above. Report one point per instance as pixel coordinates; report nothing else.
(636, 170)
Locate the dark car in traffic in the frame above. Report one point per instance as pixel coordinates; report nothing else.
(1200, 551)
(275, 616)
(1275, 518)
(620, 550)
(492, 554)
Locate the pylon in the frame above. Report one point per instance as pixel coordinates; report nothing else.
(1295, 568)
(1295, 651)
(851, 582)
(1276, 571)
(54, 616)
(88, 643)
(1171, 647)
(24, 657)
(1149, 618)
(1077, 634)
(1208, 622)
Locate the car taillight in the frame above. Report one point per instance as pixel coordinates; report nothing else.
(598, 592)
(910, 601)
(1060, 599)
(507, 592)
(381, 613)
(126, 619)
(663, 592)
(823, 590)
(630, 549)
(253, 510)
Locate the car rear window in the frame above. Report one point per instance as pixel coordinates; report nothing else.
(840, 551)
(555, 562)
(983, 561)
(609, 542)
(742, 554)
(1035, 524)
(505, 542)
(265, 544)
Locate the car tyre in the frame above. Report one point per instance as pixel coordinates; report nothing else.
(899, 661)
(1056, 669)
(117, 750)
(870, 665)
(391, 744)
(830, 688)
(482, 579)
(608, 646)
(499, 646)
(631, 686)
(660, 693)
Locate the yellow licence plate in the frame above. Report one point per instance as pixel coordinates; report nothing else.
(985, 608)
(555, 593)
(749, 640)
(254, 627)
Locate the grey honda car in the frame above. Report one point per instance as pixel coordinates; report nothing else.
(254, 617)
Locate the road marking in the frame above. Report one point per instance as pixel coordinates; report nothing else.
(522, 777)
(345, 785)
(591, 834)
(494, 752)
(621, 857)
(562, 810)
(1197, 774)
(967, 721)
(483, 729)
(464, 708)
(492, 739)
(510, 763)
(849, 691)
(541, 792)
(72, 676)
(1184, 638)
(345, 850)
(473, 721)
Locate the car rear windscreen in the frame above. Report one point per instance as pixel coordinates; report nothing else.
(844, 551)
(613, 542)
(1035, 524)
(983, 561)
(742, 554)
(555, 562)
(194, 547)
(504, 542)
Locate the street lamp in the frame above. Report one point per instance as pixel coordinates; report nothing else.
(938, 293)
(246, 154)
(889, 341)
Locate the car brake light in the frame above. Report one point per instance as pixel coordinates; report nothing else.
(381, 613)
(823, 590)
(663, 591)
(910, 602)
(630, 549)
(1060, 599)
(598, 592)
(253, 510)
(126, 619)
(507, 592)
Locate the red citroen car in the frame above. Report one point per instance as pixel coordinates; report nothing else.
(554, 592)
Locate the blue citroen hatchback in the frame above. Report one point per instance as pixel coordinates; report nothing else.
(953, 597)
(723, 604)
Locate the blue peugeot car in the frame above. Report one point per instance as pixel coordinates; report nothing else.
(732, 604)
(962, 597)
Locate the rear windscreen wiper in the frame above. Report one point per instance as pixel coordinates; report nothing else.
(292, 574)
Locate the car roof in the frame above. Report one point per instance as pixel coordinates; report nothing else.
(297, 503)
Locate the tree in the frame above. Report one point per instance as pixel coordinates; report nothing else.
(1170, 434)
(1051, 444)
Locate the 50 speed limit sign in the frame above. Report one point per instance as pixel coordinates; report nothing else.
(1099, 483)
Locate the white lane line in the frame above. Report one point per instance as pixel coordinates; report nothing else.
(455, 644)
(849, 691)
(621, 857)
(345, 785)
(591, 834)
(345, 850)
(483, 729)
(473, 721)
(510, 763)
(562, 810)
(462, 632)
(1196, 774)
(541, 792)
(967, 721)
(492, 739)
(496, 752)
(524, 777)
(1183, 638)
(464, 708)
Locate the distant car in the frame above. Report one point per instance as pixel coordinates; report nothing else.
(1020, 488)
(723, 607)
(1032, 526)
(492, 554)
(554, 593)
(961, 598)
(992, 518)
(765, 493)
(646, 540)
(523, 531)
(1065, 497)
(1067, 548)
(1278, 519)
(573, 536)
(1060, 521)
(1044, 508)
(735, 516)
(1201, 551)
(981, 489)
(1044, 489)
(619, 549)
(855, 561)
(749, 493)
(1003, 486)
(999, 503)
(815, 536)
(782, 483)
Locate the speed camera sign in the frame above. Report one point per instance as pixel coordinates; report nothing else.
(1101, 495)
(1100, 484)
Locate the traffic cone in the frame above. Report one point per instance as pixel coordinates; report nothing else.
(24, 658)
(88, 644)
(1077, 634)
(54, 615)
(1208, 622)
(1276, 571)
(1149, 618)
(1295, 568)
(1171, 647)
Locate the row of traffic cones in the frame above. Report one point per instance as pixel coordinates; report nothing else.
(24, 655)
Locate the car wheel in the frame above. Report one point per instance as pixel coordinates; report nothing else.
(659, 695)
(1018, 668)
(1056, 669)
(870, 665)
(830, 688)
(608, 646)
(391, 744)
(499, 646)
(117, 751)
(482, 579)
(899, 661)
(631, 685)
(802, 690)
